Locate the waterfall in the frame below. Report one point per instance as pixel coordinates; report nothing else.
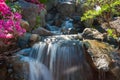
(63, 57)
(39, 71)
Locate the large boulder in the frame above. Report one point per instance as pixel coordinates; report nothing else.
(23, 41)
(116, 69)
(28, 40)
(33, 39)
(20, 68)
(29, 11)
(42, 32)
(115, 24)
(100, 53)
(105, 57)
(25, 25)
(90, 33)
(66, 9)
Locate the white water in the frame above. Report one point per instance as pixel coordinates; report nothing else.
(39, 71)
(62, 56)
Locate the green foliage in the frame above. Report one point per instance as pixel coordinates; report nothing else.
(111, 33)
(16, 8)
(38, 19)
(106, 6)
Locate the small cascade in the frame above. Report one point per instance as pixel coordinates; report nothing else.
(67, 26)
(35, 70)
(63, 57)
(39, 71)
(54, 29)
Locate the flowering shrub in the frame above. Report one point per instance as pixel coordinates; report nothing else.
(9, 22)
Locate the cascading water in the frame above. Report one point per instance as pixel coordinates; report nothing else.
(64, 57)
(59, 58)
(36, 71)
(39, 71)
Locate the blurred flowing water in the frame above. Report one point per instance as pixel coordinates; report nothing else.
(64, 57)
(58, 58)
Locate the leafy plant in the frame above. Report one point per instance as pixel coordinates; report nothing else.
(111, 33)
(38, 19)
(107, 8)
(16, 8)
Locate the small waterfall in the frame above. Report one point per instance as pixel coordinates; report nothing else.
(54, 29)
(67, 26)
(63, 57)
(36, 70)
(39, 71)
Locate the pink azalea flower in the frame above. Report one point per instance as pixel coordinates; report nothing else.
(8, 36)
(10, 23)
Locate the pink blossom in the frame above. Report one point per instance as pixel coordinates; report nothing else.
(17, 16)
(8, 36)
(4, 9)
(10, 23)
(2, 0)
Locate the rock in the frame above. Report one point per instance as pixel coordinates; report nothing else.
(25, 25)
(50, 4)
(43, 14)
(90, 33)
(79, 28)
(29, 12)
(49, 17)
(66, 9)
(23, 41)
(100, 53)
(79, 10)
(116, 72)
(115, 24)
(28, 40)
(3, 72)
(20, 68)
(33, 39)
(24, 52)
(73, 31)
(88, 23)
(58, 22)
(52, 28)
(42, 32)
(2, 43)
